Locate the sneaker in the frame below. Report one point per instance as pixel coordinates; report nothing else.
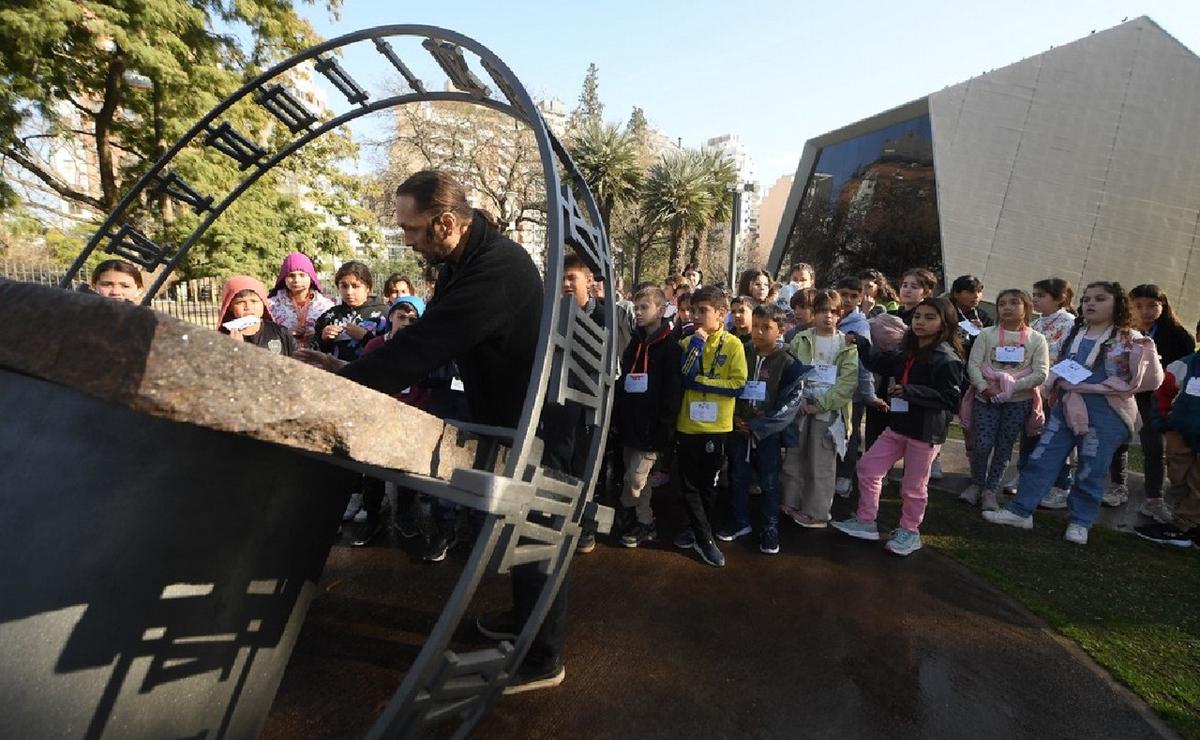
(729, 534)
(408, 527)
(686, 539)
(658, 478)
(709, 553)
(498, 625)
(1157, 509)
(1116, 495)
(366, 530)
(988, 501)
(935, 470)
(793, 514)
(638, 534)
(437, 547)
(1167, 534)
(1076, 533)
(1055, 498)
(768, 543)
(857, 528)
(809, 522)
(970, 495)
(1010, 486)
(586, 543)
(903, 542)
(352, 507)
(842, 487)
(524, 681)
(1004, 516)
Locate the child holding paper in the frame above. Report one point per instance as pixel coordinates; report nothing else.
(762, 415)
(1007, 365)
(245, 317)
(810, 465)
(1103, 364)
(928, 374)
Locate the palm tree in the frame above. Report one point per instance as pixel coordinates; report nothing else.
(608, 160)
(722, 178)
(678, 195)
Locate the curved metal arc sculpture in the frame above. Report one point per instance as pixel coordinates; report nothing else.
(533, 514)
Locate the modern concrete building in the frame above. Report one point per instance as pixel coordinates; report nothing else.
(1080, 162)
(747, 227)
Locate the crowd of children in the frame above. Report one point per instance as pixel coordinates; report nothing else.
(770, 388)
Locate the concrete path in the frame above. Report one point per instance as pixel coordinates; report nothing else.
(831, 638)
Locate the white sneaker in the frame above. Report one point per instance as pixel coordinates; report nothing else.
(935, 470)
(1055, 498)
(1157, 509)
(1116, 495)
(970, 495)
(842, 487)
(1010, 486)
(1004, 516)
(1076, 533)
(352, 507)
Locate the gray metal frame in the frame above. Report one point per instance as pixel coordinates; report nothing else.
(531, 514)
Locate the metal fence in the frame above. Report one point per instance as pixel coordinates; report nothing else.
(195, 301)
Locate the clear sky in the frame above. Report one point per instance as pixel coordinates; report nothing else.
(774, 72)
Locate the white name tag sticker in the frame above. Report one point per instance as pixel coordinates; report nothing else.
(637, 382)
(456, 384)
(969, 328)
(826, 374)
(243, 323)
(1010, 354)
(1193, 387)
(755, 390)
(1071, 371)
(702, 411)
(899, 406)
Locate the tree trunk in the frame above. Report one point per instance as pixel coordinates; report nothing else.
(104, 149)
(673, 266)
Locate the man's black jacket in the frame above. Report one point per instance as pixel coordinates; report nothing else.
(484, 316)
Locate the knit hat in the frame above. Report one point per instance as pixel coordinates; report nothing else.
(297, 262)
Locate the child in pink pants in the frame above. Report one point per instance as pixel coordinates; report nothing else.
(928, 374)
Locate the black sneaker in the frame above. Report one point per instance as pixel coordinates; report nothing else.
(498, 625)
(638, 534)
(587, 542)
(1167, 534)
(709, 553)
(437, 547)
(527, 680)
(408, 526)
(366, 531)
(769, 541)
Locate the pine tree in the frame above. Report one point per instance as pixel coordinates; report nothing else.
(590, 110)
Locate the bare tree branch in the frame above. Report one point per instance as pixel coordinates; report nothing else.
(51, 181)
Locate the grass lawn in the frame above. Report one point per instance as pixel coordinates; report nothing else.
(1133, 606)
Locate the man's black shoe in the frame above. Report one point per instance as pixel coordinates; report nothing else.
(526, 680)
(587, 542)
(437, 547)
(1167, 534)
(498, 625)
(709, 553)
(366, 531)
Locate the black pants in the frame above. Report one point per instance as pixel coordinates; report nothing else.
(545, 653)
(699, 458)
(1153, 464)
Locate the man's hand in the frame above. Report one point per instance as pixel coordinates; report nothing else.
(896, 391)
(700, 333)
(320, 359)
(879, 405)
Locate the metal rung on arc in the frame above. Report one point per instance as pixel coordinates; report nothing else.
(450, 58)
(230, 142)
(136, 247)
(580, 234)
(284, 106)
(390, 54)
(345, 84)
(176, 187)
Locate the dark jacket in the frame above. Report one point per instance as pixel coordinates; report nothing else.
(485, 316)
(933, 391)
(369, 316)
(1172, 342)
(274, 338)
(646, 421)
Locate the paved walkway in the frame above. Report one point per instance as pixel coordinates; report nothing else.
(831, 638)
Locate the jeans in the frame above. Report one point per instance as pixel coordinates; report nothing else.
(1063, 480)
(765, 461)
(914, 493)
(847, 466)
(699, 461)
(1106, 432)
